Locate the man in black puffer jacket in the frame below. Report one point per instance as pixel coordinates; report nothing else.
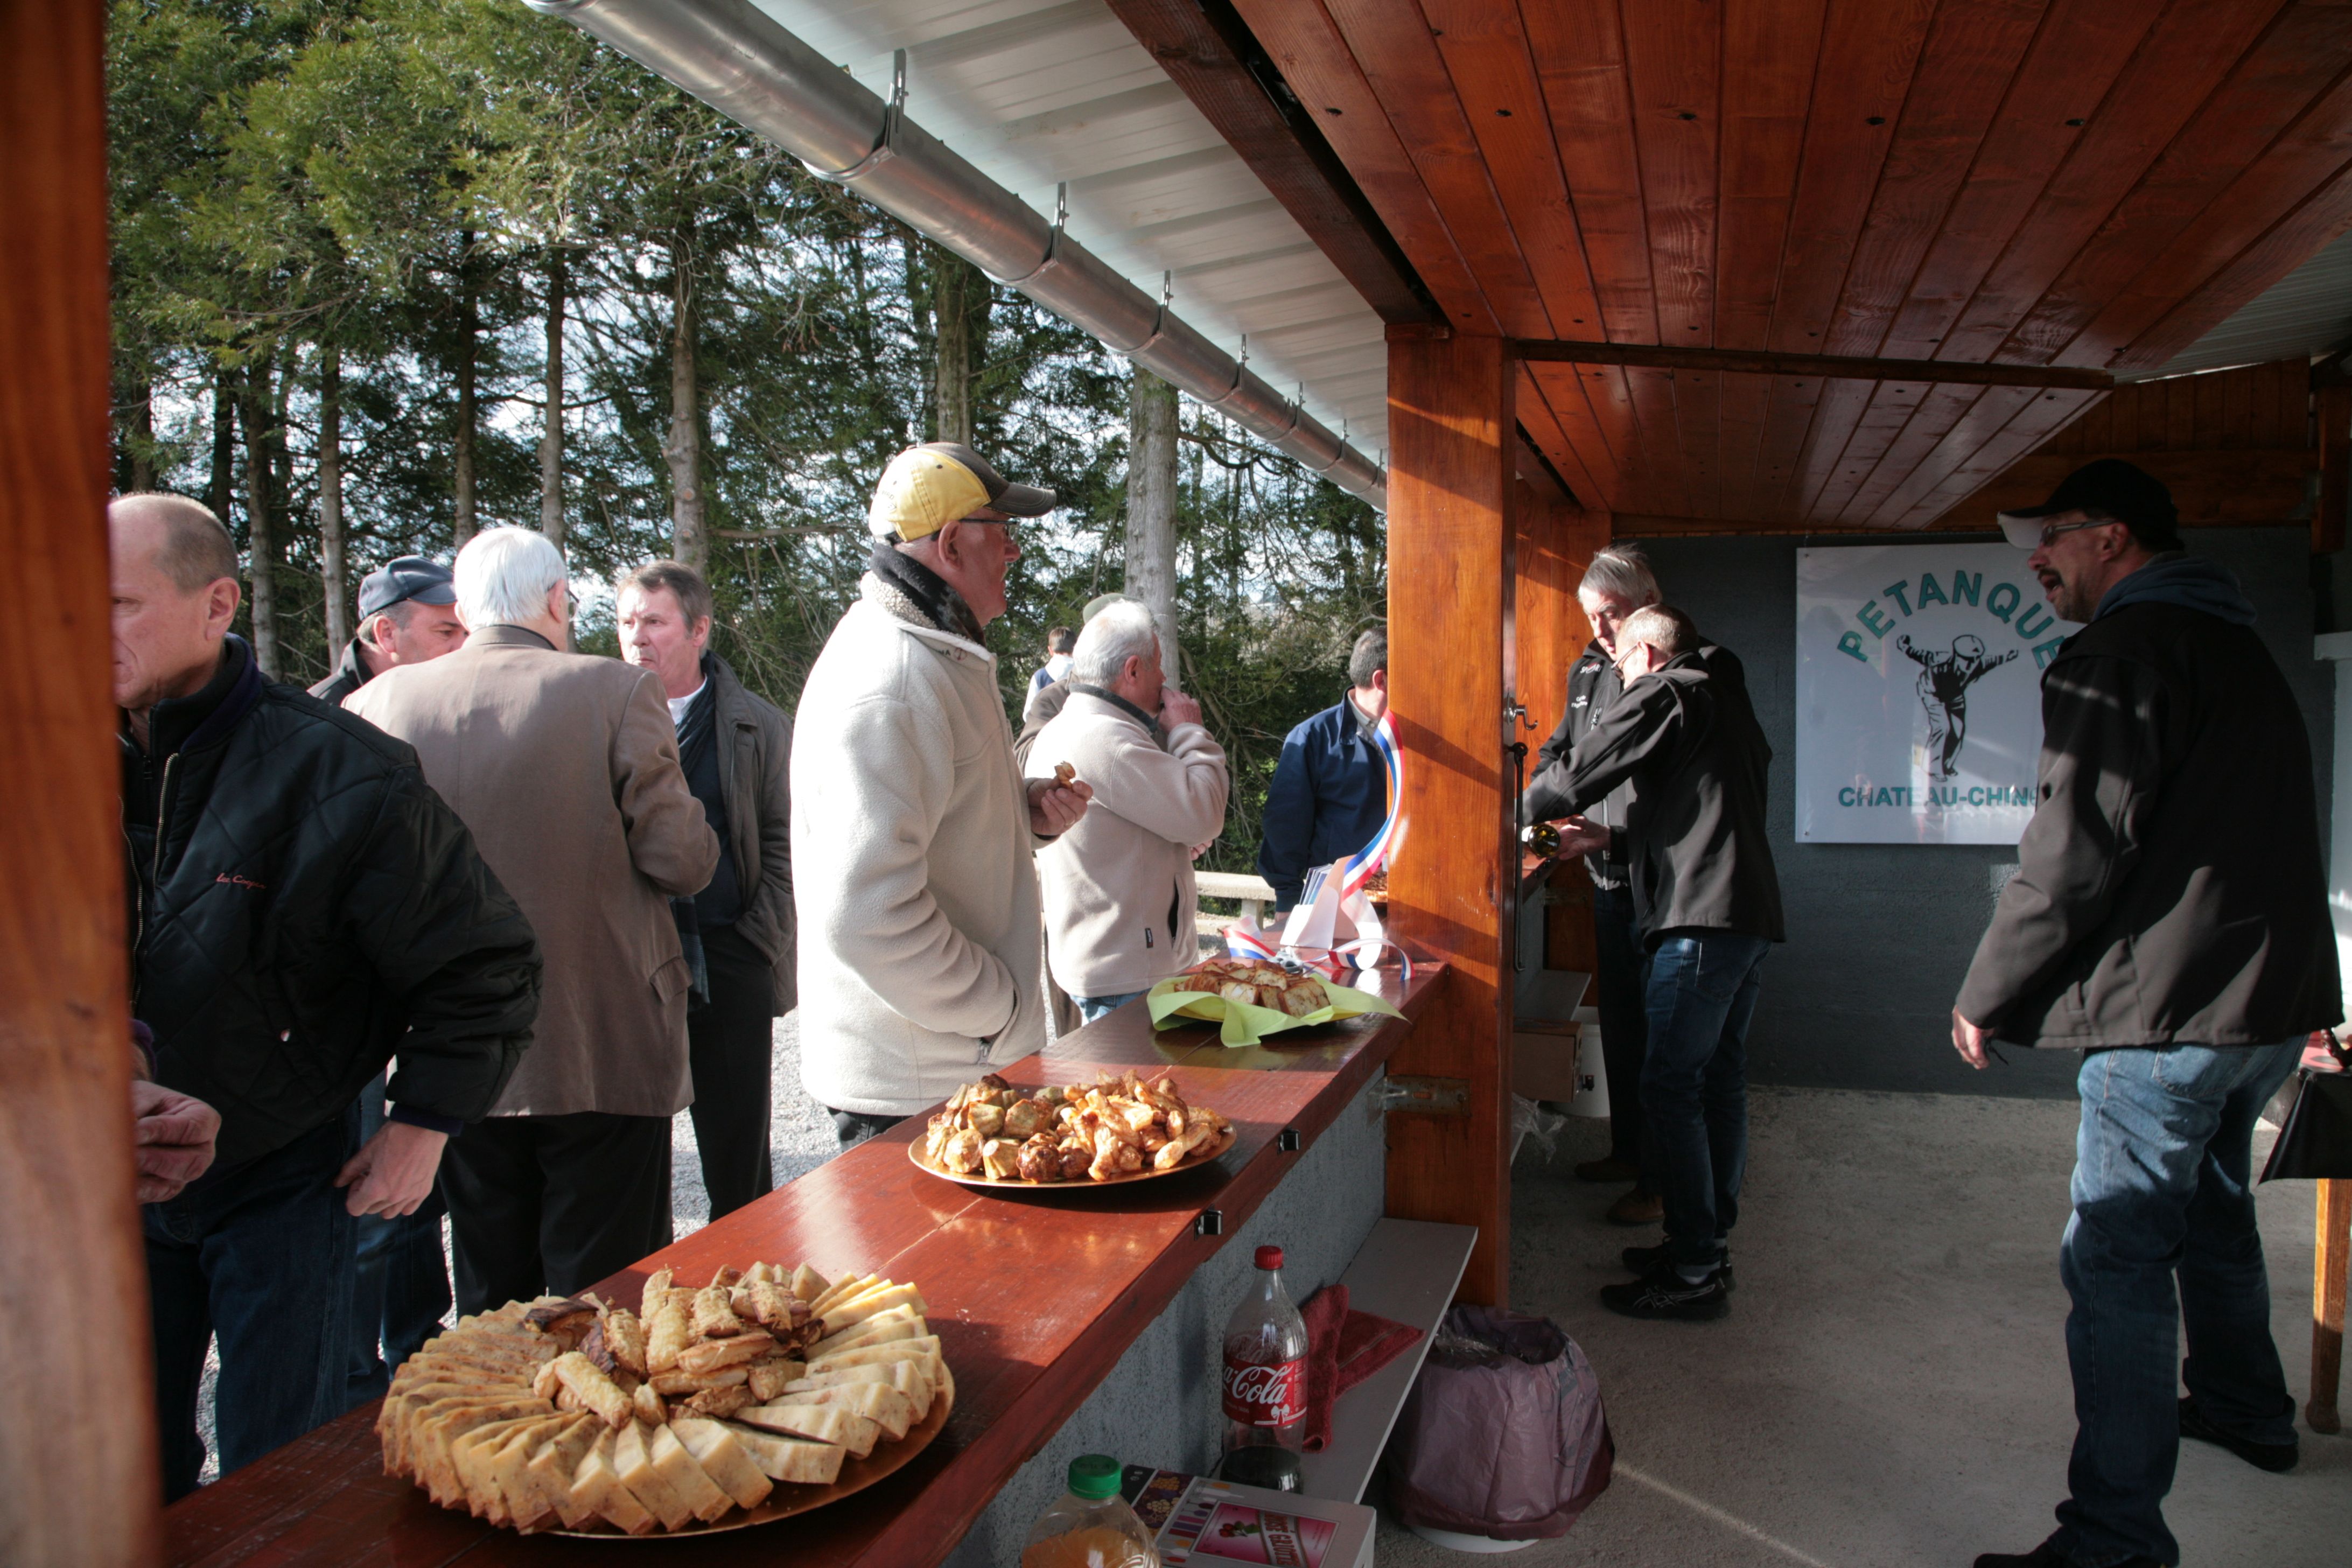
(2169, 917)
(304, 909)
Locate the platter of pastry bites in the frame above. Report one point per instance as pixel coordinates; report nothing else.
(761, 1394)
(991, 1134)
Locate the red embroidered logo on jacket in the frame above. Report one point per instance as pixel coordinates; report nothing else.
(235, 881)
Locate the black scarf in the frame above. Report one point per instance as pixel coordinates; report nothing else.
(1151, 725)
(930, 592)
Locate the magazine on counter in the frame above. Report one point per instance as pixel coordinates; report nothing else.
(1195, 1519)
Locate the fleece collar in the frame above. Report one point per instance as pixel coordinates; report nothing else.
(2189, 581)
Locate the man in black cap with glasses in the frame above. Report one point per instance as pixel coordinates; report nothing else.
(408, 615)
(2169, 919)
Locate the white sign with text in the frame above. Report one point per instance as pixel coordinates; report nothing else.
(1919, 693)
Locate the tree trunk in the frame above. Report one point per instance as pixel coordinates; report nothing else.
(261, 546)
(951, 314)
(689, 543)
(469, 333)
(138, 443)
(1151, 507)
(220, 495)
(550, 441)
(331, 498)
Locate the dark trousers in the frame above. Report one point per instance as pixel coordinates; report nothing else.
(258, 1256)
(731, 1044)
(1701, 992)
(1624, 1022)
(541, 1203)
(400, 1291)
(2163, 1238)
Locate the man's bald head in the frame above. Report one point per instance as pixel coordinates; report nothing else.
(176, 595)
(188, 544)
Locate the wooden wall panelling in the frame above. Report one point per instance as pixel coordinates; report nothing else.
(2211, 489)
(1867, 57)
(2335, 421)
(1970, 56)
(74, 1285)
(1314, 60)
(2270, 133)
(2082, 47)
(1579, 60)
(1451, 888)
(1393, 48)
(2183, 58)
(2031, 417)
(1555, 543)
(1487, 56)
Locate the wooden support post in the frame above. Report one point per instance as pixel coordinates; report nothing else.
(74, 1283)
(1555, 543)
(1451, 888)
(2333, 405)
(2331, 1257)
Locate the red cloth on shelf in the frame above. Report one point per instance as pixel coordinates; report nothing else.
(1343, 1348)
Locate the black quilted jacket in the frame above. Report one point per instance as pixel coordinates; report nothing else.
(306, 907)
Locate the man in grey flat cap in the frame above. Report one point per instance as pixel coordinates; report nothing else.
(408, 615)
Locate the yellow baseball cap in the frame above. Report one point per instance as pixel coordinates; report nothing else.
(928, 487)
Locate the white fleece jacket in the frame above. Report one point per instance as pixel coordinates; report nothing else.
(1119, 893)
(912, 867)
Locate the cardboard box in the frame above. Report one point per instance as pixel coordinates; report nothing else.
(1543, 1059)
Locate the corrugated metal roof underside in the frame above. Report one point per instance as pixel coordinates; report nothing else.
(1038, 94)
(2308, 311)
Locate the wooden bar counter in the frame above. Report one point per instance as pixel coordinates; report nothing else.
(1035, 1295)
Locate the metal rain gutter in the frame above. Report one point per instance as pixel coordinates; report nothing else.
(742, 62)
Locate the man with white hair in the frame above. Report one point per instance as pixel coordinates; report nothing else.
(304, 907)
(1118, 886)
(566, 768)
(1617, 583)
(913, 836)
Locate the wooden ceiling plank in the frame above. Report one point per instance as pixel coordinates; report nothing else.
(2042, 413)
(2184, 59)
(1777, 45)
(1787, 417)
(1699, 415)
(1391, 43)
(2294, 239)
(2211, 487)
(1971, 56)
(1747, 400)
(1487, 56)
(1942, 408)
(1983, 419)
(1840, 410)
(1892, 406)
(2279, 126)
(1610, 400)
(1291, 162)
(1657, 478)
(1314, 59)
(1869, 50)
(1579, 55)
(2082, 47)
(1550, 423)
(1674, 53)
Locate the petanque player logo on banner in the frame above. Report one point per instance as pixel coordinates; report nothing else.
(1918, 693)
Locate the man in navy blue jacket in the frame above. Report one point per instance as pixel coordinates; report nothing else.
(1329, 793)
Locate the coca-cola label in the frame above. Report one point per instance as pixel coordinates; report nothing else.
(1266, 1395)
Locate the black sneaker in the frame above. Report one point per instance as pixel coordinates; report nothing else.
(2275, 1458)
(1642, 1259)
(1664, 1293)
(2048, 1556)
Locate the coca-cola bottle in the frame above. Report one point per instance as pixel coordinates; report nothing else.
(1265, 1384)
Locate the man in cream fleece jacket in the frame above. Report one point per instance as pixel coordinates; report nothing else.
(1119, 894)
(913, 833)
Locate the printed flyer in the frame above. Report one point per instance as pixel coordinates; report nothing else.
(1918, 693)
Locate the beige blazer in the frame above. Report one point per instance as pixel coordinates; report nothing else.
(565, 768)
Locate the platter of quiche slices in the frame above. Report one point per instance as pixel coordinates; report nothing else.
(761, 1394)
(991, 1134)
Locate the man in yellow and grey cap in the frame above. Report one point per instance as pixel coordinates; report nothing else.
(913, 831)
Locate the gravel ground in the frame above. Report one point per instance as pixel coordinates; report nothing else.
(800, 1134)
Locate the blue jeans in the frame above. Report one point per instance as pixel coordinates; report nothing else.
(1093, 1007)
(260, 1257)
(400, 1290)
(2163, 1232)
(1700, 993)
(1625, 1029)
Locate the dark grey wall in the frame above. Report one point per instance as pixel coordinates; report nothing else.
(1880, 935)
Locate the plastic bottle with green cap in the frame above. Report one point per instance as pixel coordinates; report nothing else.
(1091, 1527)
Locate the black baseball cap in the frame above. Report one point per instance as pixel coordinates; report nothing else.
(406, 578)
(2109, 487)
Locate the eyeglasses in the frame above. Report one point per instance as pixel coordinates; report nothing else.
(2051, 531)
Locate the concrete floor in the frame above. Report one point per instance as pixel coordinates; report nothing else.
(1890, 1388)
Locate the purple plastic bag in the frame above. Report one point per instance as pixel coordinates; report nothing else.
(1502, 1435)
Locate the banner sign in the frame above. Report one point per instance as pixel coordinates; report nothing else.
(1919, 693)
